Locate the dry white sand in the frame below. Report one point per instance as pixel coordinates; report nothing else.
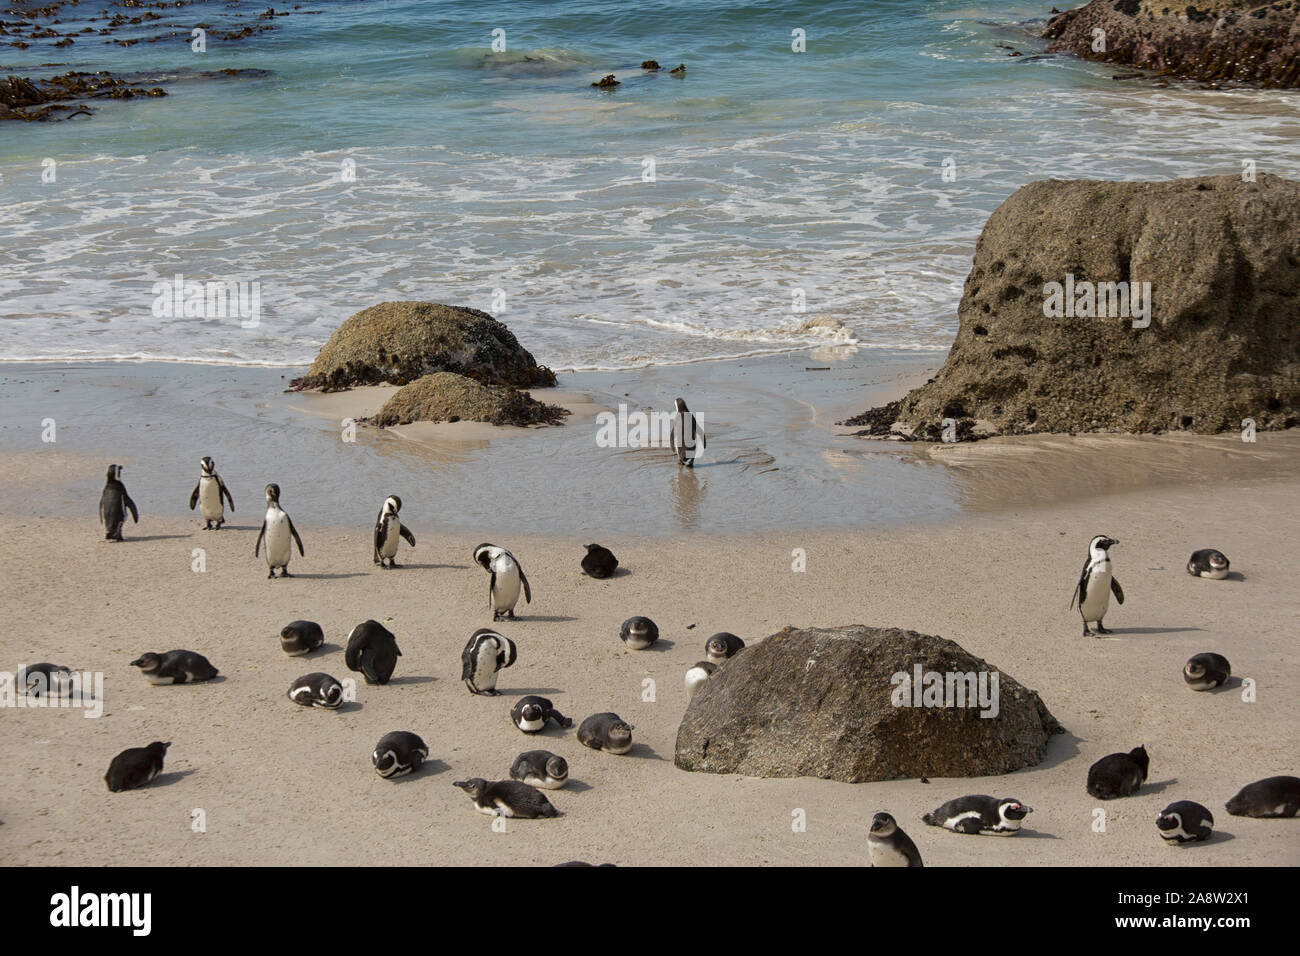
(280, 784)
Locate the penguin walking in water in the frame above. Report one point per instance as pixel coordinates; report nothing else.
(687, 435)
(208, 494)
(507, 798)
(372, 650)
(980, 814)
(1096, 584)
(114, 503)
(136, 766)
(507, 578)
(317, 690)
(175, 667)
(301, 637)
(486, 655)
(608, 732)
(599, 562)
(1208, 563)
(638, 633)
(888, 845)
(531, 713)
(1184, 822)
(45, 680)
(398, 754)
(388, 530)
(540, 768)
(698, 673)
(1270, 797)
(278, 530)
(722, 646)
(1207, 671)
(1119, 775)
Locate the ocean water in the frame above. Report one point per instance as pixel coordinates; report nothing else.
(503, 181)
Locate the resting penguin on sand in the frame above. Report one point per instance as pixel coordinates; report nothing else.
(1119, 775)
(507, 798)
(136, 766)
(1208, 564)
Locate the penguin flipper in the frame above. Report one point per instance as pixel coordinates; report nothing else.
(409, 535)
(1081, 589)
(294, 531)
(467, 663)
(379, 535)
(523, 578)
(221, 489)
(126, 499)
(261, 534)
(492, 586)
(1118, 591)
(194, 497)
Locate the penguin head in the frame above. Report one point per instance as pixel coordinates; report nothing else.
(680, 405)
(158, 748)
(1141, 758)
(385, 763)
(506, 648)
(531, 712)
(392, 505)
(208, 465)
(484, 554)
(114, 472)
(557, 767)
(1217, 560)
(620, 731)
(1195, 669)
(1168, 820)
(883, 826)
(148, 663)
(272, 493)
(332, 694)
(1102, 543)
(472, 787)
(1013, 810)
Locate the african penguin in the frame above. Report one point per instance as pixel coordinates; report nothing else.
(687, 435)
(399, 753)
(531, 713)
(388, 530)
(44, 680)
(699, 672)
(372, 650)
(599, 562)
(1096, 583)
(114, 503)
(540, 768)
(301, 637)
(507, 577)
(485, 655)
(1184, 822)
(980, 814)
(208, 494)
(278, 529)
(888, 845)
(136, 766)
(1206, 671)
(1270, 797)
(316, 690)
(638, 633)
(175, 667)
(722, 646)
(1208, 563)
(608, 732)
(507, 798)
(1119, 775)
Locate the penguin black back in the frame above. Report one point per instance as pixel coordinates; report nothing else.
(1270, 797)
(114, 503)
(1118, 775)
(136, 766)
(599, 562)
(372, 650)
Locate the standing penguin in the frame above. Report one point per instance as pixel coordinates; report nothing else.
(1119, 775)
(208, 494)
(1208, 563)
(136, 766)
(388, 529)
(507, 577)
(277, 528)
(485, 655)
(687, 435)
(114, 504)
(888, 845)
(1095, 584)
(372, 650)
(599, 562)
(1184, 822)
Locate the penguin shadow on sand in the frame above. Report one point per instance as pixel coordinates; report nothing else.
(663, 644)
(412, 679)
(324, 577)
(642, 751)
(430, 768)
(1123, 631)
(528, 692)
(540, 618)
(1151, 787)
(1233, 683)
(169, 777)
(127, 538)
(577, 786)
(1060, 748)
(432, 567)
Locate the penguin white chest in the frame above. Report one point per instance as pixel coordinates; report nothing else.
(485, 666)
(278, 539)
(392, 534)
(505, 591)
(1096, 602)
(209, 498)
(885, 854)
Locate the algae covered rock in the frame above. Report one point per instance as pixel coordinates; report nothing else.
(449, 397)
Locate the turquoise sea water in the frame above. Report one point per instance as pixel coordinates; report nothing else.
(503, 181)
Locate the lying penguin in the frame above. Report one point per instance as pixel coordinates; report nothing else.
(507, 798)
(980, 814)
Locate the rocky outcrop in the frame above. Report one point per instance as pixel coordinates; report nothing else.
(1241, 41)
(829, 702)
(28, 100)
(448, 397)
(1216, 259)
(398, 342)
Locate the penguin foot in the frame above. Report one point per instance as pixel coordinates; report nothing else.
(1103, 630)
(393, 564)
(270, 574)
(284, 573)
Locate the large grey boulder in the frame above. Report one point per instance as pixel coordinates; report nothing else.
(823, 702)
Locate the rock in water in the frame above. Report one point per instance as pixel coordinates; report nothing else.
(1223, 343)
(820, 702)
(398, 342)
(1240, 41)
(448, 397)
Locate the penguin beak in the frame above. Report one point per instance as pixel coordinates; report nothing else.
(138, 662)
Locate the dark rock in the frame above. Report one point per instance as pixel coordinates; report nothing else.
(820, 702)
(650, 64)
(607, 82)
(396, 341)
(1222, 258)
(1242, 41)
(448, 397)
(678, 70)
